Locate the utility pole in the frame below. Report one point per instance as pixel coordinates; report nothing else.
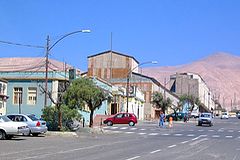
(46, 73)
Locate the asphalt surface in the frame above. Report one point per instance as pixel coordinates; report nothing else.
(185, 141)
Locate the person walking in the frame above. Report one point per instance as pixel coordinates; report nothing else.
(162, 118)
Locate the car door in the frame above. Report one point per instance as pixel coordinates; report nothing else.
(118, 118)
(125, 118)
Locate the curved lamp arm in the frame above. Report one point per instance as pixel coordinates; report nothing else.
(66, 35)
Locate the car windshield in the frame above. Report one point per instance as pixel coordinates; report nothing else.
(205, 115)
(224, 113)
(4, 119)
(33, 117)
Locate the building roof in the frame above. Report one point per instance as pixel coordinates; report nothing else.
(157, 83)
(25, 64)
(105, 52)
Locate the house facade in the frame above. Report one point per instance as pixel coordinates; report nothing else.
(26, 82)
(3, 96)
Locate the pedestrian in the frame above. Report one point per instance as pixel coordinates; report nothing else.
(162, 118)
(170, 125)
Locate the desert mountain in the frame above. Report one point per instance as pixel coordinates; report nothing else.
(220, 71)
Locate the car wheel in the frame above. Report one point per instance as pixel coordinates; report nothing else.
(2, 135)
(131, 123)
(9, 136)
(35, 134)
(109, 123)
(199, 124)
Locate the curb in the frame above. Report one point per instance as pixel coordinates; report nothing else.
(67, 134)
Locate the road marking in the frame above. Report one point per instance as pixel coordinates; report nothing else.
(198, 141)
(165, 134)
(129, 132)
(184, 142)
(153, 134)
(229, 136)
(114, 127)
(210, 130)
(190, 135)
(215, 136)
(191, 130)
(200, 130)
(159, 150)
(142, 133)
(133, 128)
(238, 131)
(105, 127)
(178, 134)
(124, 128)
(133, 158)
(116, 131)
(203, 135)
(172, 146)
(220, 130)
(142, 129)
(230, 131)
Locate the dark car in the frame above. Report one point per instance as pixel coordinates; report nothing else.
(179, 116)
(121, 118)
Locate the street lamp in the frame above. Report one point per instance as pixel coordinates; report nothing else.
(48, 48)
(128, 77)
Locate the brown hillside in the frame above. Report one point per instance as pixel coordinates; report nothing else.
(221, 72)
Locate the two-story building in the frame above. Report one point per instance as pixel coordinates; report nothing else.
(117, 67)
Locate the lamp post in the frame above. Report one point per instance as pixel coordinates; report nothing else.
(128, 77)
(48, 48)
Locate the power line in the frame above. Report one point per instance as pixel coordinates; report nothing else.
(19, 44)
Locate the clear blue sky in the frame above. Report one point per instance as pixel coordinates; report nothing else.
(173, 32)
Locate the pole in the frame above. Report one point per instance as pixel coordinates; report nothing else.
(127, 90)
(46, 73)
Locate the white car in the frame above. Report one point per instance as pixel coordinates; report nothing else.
(9, 128)
(224, 115)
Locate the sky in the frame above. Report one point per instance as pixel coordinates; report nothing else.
(172, 32)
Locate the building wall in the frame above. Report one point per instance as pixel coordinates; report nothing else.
(25, 107)
(3, 96)
(193, 84)
(110, 65)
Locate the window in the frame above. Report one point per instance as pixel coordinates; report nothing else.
(17, 95)
(32, 96)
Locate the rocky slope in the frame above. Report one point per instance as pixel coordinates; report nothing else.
(221, 72)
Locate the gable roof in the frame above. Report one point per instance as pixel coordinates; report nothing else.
(118, 53)
(25, 64)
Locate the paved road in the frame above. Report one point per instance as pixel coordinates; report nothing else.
(144, 141)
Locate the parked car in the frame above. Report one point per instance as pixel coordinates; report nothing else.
(35, 125)
(121, 118)
(224, 115)
(238, 115)
(205, 118)
(9, 128)
(179, 115)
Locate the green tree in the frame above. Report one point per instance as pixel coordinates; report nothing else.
(84, 91)
(189, 99)
(51, 115)
(160, 102)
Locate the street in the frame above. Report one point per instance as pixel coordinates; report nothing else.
(185, 141)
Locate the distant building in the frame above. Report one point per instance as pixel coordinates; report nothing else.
(192, 84)
(115, 67)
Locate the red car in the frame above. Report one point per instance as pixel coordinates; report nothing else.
(121, 118)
